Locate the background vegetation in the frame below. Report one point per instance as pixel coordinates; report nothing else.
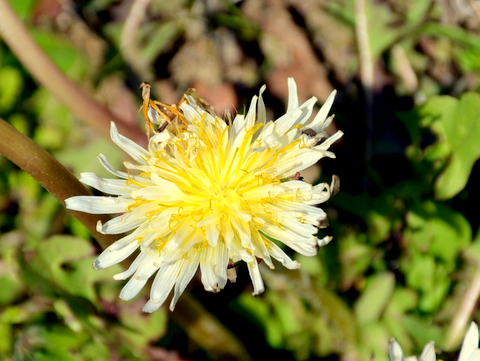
(405, 260)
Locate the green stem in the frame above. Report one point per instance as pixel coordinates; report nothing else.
(47, 74)
(47, 171)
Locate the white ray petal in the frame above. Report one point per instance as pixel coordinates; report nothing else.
(132, 288)
(428, 352)
(109, 186)
(103, 160)
(324, 241)
(207, 265)
(277, 253)
(189, 268)
(475, 355)
(111, 256)
(251, 114)
(120, 224)
(138, 153)
(191, 113)
(213, 234)
(329, 141)
(287, 121)
(317, 123)
(221, 264)
(256, 277)
(144, 271)
(162, 286)
(292, 95)
(307, 109)
(262, 113)
(395, 352)
(98, 205)
(133, 267)
(470, 342)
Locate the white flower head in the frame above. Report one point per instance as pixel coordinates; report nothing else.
(468, 352)
(210, 192)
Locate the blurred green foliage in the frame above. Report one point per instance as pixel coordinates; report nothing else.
(405, 223)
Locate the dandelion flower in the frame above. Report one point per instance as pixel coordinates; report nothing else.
(468, 352)
(209, 192)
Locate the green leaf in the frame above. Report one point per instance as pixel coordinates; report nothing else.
(333, 322)
(377, 212)
(455, 122)
(5, 337)
(437, 152)
(435, 296)
(10, 87)
(69, 156)
(56, 120)
(160, 38)
(69, 262)
(470, 59)
(381, 33)
(374, 298)
(373, 339)
(417, 11)
(140, 328)
(420, 271)
(356, 257)
(435, 228)
(11, 289)
(422, 330)
(10, 281)
(261, 312)
(403, 300)
(22, 8)
(455, 33)
(464, 143)
(63, 53)
(428, 277)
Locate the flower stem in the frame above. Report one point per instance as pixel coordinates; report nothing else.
(47, 171)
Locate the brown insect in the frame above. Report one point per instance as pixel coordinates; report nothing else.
(168, 112)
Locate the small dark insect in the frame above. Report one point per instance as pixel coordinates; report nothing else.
(310, 132)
